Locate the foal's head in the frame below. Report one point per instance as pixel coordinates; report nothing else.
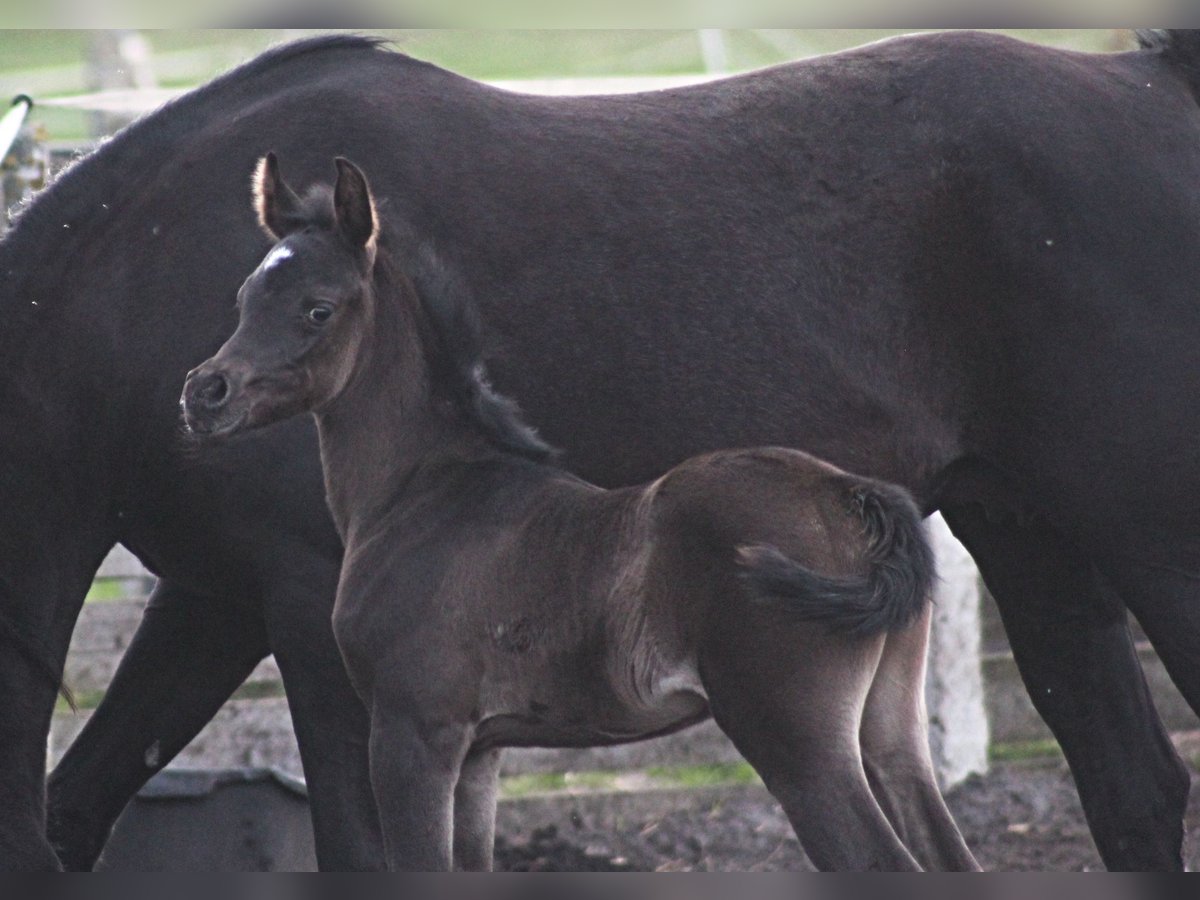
(326, 291)
(304, 312)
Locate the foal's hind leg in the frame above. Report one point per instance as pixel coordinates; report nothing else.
(895, 746)
(791, 698)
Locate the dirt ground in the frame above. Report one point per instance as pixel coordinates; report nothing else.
(1020, 816)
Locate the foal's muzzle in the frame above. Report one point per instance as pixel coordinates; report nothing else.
(209, 391)
(205, 401)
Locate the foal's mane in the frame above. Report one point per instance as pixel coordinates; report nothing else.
(451, 331)
(454, 346)
(456, 355)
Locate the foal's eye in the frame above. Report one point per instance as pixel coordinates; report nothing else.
(320, 314)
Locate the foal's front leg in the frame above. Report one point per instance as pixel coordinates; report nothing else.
(415, 765)
(475, 811)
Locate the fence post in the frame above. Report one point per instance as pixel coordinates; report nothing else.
(24, 158)
(958, 726)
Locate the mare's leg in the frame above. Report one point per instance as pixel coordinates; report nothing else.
(1167, 605)
(188, 655)
(791, 698)
(1072, 646)
(475, 811)
(44, 576)
(24, 723)
(415, 765)
(895, 746)
(331, 722)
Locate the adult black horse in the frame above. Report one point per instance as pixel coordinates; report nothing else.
(958, 262)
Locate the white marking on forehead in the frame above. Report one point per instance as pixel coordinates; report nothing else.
(276, 256)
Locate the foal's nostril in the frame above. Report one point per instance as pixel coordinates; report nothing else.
(212, 391)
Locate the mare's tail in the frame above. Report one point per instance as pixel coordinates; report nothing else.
(900, 570)
(1179, 48)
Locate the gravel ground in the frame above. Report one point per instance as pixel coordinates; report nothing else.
(1020, 816)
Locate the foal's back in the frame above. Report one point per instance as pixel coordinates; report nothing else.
(604, 600)
(784, 498)
(765, 521)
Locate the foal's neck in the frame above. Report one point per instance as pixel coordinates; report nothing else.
(389, 421)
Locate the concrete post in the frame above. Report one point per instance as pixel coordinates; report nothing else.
(958, 727)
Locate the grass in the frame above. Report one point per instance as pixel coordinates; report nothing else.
(714, 775)
(259, 690)
(83, 700)
(1023, 751)
(251, 690)
(106, 590)
(656, 777)
(539, 783)
(534, 784)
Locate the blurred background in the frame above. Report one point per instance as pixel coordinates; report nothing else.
(59, 68)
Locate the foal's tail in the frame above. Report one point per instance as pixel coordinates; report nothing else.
(889, 597)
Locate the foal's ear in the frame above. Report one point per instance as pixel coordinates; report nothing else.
(353, 206)
(279, 210)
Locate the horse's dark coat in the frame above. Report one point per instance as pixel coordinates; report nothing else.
(490, 599)
(957, 262)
